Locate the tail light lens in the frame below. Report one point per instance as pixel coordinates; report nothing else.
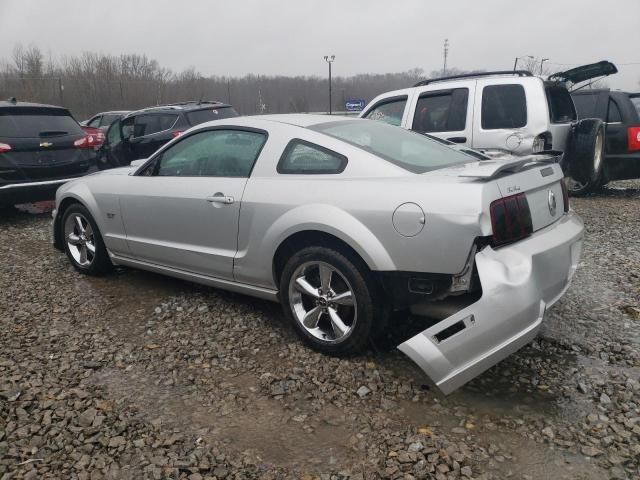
(511, 219)
(542, 142)
(4, 147)
(176, 134)
(565, 195)
(83, 142)
(633, 139)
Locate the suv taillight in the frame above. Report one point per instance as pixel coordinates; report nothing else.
(633, 139)
(542, 142)
(510, 219)
(4, 147)
(85, 142)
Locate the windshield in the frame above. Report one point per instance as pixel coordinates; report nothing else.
(207, 114)
(410, 150)
(30, 122)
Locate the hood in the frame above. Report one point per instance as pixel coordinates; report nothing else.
(585, 72)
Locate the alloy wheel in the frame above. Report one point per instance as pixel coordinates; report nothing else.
(80, 239)
(323, 301)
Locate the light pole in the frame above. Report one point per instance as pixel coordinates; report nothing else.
(515, 64)
(542, 63)
(329, 59)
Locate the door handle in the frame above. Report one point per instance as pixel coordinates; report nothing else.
(457, 139)
(220, 198)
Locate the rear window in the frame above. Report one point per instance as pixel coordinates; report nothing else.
(407, 149)
(561, 108)
(208, 114)
(503, 106)
(585, 105)
(443, 111)
(29, 122)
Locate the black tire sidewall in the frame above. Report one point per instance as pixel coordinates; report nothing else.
(363, 289)
(581, 153)
(101, 263)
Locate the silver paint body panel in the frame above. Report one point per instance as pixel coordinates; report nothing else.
(166, 225)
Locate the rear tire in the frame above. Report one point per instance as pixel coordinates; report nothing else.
(83, 243)
(584, 157)
(331, 300)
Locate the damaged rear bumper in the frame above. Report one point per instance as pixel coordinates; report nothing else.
(519, 282)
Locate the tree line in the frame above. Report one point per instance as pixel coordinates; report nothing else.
(95, 82)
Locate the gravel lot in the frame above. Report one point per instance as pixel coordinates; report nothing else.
(140, 376)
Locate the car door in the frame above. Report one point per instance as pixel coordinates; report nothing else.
(150, 132)
(182, 210)
(114, 152)
(615, 125)
(392, 110)
(500, 116)
(445, 112)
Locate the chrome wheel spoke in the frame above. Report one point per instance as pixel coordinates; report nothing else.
(91, 247)
(88, 231)
(312, 317)
(344, 298)
(325, 277)
(79, 225)
(73, 239)
(338, 326)
(83, 254)
(305, 287)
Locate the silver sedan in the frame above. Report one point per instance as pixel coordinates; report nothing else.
(344, 221)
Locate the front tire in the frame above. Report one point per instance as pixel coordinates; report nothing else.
(83, 243)
(330, 299)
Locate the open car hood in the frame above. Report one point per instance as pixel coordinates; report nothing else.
(585, 72)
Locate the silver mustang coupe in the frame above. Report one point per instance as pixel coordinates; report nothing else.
(343, 221)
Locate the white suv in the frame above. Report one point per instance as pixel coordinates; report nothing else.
(508, 112)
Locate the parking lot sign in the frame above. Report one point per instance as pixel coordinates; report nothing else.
(354, 105)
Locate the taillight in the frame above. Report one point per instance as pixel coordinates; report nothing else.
(176, 134)
(4, 147)
(633, 139)
(511, 219)
(542, 142)
(565, 195)
(85, 142)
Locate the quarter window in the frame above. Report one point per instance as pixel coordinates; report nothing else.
(306, 158)
(388, 111)
(212, 153)
(150, 124)
(444, 111)
(503, 106)
(614, 112)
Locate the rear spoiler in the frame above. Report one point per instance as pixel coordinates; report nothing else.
(491, 168)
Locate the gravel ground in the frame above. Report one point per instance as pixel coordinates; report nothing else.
(140, 376)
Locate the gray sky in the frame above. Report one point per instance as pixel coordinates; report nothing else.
(290, 37)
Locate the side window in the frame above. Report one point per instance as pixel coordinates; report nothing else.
(108, 120)
(503, 106)
(388, 111)
(614, 112)
(153, 123)
(305, 158)
(212, 153)
(561, 109)
(95, 122)
(443, 111)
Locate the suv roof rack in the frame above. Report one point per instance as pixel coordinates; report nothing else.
(519, 73)
(194, 102)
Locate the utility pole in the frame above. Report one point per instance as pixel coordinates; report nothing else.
(61, 90)
(542, 63)
(228, 91)
(329, 59)
(446, 54)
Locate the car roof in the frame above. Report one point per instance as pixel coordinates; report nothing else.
(304, 119)
(180, 107)
(6, 103)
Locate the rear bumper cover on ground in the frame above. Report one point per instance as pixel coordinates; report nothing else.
(519, 282)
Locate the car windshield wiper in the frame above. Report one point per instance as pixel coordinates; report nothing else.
(53, 133)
